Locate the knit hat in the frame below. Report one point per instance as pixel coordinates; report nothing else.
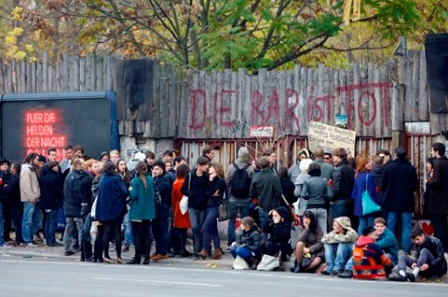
(104, 154)
(243, 154)
(42, 159)
(367, 230)
(4, 160)
(344, 222)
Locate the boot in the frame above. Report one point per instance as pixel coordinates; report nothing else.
(253, 263)
(217, 254)
(203, 254)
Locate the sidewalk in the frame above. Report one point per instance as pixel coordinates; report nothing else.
(57, 254)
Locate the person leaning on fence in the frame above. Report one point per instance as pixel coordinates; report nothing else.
(429, 260)
(309, 251)
(248, 244)
(338, 246)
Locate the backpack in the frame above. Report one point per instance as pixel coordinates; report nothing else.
(240, 184)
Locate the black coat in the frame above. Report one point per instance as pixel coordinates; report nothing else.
(288, 188)
(198, 186)
(398, 186)
(13, 191)
(50, 183)
(77, 191)
(5, 176)
(438, 200)
(217, 184)
(343, 181)
(163, 185)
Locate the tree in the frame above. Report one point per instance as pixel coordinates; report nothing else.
(217, 34)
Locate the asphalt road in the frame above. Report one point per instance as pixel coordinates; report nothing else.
(22, 278)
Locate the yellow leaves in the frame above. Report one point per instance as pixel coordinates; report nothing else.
(17, 31)
(19, 55)
(10, 40)
(16, 14)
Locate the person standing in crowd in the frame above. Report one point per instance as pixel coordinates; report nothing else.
(288, 186)
(50, 182)
(328, 158)
(65, 163)
(208, 152)
(125, 175)
(326, 169)
(110, 209)
(114, 156)
(438, 201)
(267, 189)
(13, 191)
(195, 187)
(142, 212)
(385, 156)
(168, 156)
(294, 170)
(429, 260)
(5, 202)
(369, 261)
(386, 240)
(52, 154)
(181, 222)
(338, 246)
(238, 179)
(343, 181)
(77, 194)
(215, 193)
(29, 195)
(309, 251)
(301, 178)
(364, 181)
(163, 187)
(104, 157)
(271, 155)
(150, 157)
(78, 151)
(399, 184)
(316, 192)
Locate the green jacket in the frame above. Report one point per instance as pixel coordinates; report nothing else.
(143, 206)
(267, 189)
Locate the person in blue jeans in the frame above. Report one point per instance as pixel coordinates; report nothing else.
(238, 201)
(248, 245)
(338, 246)
(215, 193)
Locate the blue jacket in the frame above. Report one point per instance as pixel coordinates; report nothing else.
(163, 185)
(388, 243)
(111, 198)
(360, 187)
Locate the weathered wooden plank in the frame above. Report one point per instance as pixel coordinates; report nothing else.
(423, 101)
(415, 84)
(406, 76)
(65, 73)
(398, 94)
(82, 74)
(89, 73)
(2, 76)
(99, 74)
(74, 73)
(45, 72)
(23, 82)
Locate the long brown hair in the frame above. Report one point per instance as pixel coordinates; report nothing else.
(219, 170)
(142, 170)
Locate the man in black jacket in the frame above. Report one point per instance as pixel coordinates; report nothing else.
(343, 181)
(77, 199)
(438, 202)
(398, 185)
(429, 262)
(195, 186)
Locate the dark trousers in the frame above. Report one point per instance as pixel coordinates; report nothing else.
(210, 228)
(17, 216)
(271, 248)
(160, 230)
(112, 228)
(6, 205)
(440, 223)
(425, 258)
(180, 237)
(50, 226)
(98, 248)
(142, 241)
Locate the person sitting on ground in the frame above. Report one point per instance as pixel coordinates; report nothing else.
(338, 246)
(386, 240)
(369, 261)
(248, 245)
(429, 260)
(279, 230)
(310, 249)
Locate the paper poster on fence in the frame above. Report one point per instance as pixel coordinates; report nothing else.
(330, 137)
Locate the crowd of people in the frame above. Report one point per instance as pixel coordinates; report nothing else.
(332, 195)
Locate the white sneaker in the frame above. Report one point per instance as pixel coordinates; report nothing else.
(4, 246)
(31, 244)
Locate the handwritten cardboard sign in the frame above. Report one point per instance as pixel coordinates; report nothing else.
(330, 137)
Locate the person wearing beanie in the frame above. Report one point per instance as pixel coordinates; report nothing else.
(300, 180)
(369, 261)
(239, 195)
(429, 260)
(338, 246)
